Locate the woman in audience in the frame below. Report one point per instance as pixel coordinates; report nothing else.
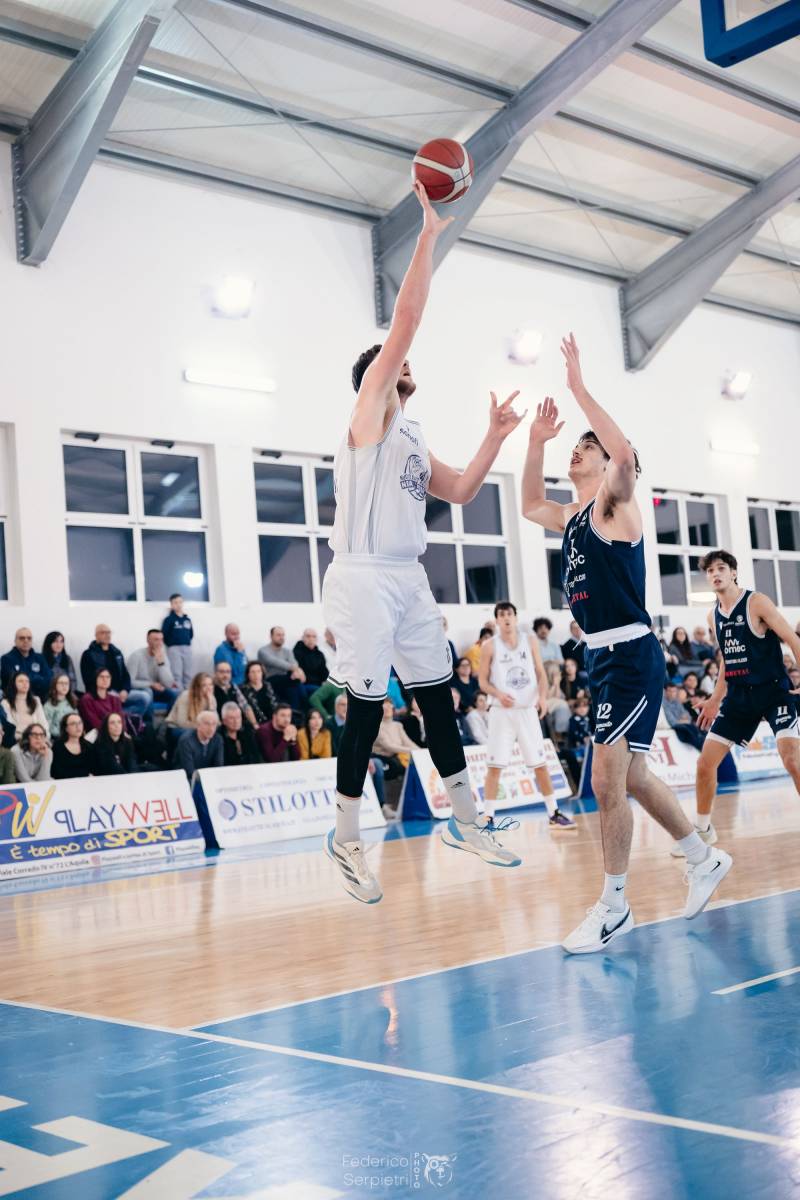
(258, 693)
(198, 697)
(314, 740)
(558, 711)
(95, 705)
(73, 756)
(465, 684)
(694, 698)
(570, 685)
(32, 756)
(478, 719)
(21, 707)
(709, 680)
(681, 648)
(414, 725)
(57, 658)
(113, 750)
(239, 745)
(60, 700)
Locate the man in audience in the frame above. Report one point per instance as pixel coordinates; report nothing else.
(200, 747)
(310, 659)
(794, 678)
(336, 723)
(548, 647)
(466, 737)
(701, 644)
(678, 718)
(23, 657)
(239, 746)
(227, 692)
(232, 651)
(178, 634)
(150, 671)
(282, 669)
(574, 646)
(328, 648)
(324, 698)
(102, 653)
(277, 740)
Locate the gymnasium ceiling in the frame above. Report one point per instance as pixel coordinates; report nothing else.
(327, 102)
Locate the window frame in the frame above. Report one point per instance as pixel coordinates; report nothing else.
(683, 549)
(774, 554)
(135, 518)
(458, 538)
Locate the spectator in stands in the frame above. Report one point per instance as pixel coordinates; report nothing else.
(277, 739)
(73, 756)
(574, 646)
(32, 757)
(701, 644)
(103, 653)
(57, 659)
(465, 684)
(548, 646)
(95, 705)
(328, 648)
(461, 718)
(151, 673)
(178, 636)
(570, 683)
(393, 747)
(60, 700)
(579, 732)
(453, 655)
(225, 692)
(232, 652)
(23, 657)
(478, 720)
(678, 718)
(113, 751)
(336, 723)
(474, 652)
(558, 711)
(672, 668)
(681, 648)
(394, 690)
(325, 697)
(311, 660)
(199, 697)
(314, 740)
(709, 680)
(8, 736)
(414, 725)
(794, 678)
(200, 747)
(282, 669)
(239, 746)
(258, 693)
(21, 706)
(694, 698)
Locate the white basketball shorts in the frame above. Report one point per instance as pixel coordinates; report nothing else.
(382, 614)
(509, 725)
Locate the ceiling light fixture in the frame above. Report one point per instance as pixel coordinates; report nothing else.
(524, 347)
(735, 446)
(236, 383)
(233, 298)
(736, 383)
(194, 579)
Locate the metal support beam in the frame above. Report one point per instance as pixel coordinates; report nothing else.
(656, 301)
(52, 157)
(496, 143)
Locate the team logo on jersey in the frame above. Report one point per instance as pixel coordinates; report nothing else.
(518, 678)
(740, 619)
(415, 477)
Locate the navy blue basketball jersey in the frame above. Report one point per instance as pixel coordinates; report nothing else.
(603, 580)
(750, 657)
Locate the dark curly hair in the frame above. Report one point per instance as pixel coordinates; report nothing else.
(591, 436)
(361, 364)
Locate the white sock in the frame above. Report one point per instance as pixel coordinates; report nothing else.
(703, 821)
(347, 810)
(459, 791)
(694, 848)
(549, 803)
(488, 806)
(614, 891)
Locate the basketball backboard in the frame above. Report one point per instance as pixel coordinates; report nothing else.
(737, 29)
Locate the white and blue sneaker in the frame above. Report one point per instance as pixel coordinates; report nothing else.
(479, 838)
(357, 879)
(703, 879)
(598, 929)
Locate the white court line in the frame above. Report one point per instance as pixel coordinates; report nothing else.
(477, 962)
(738, 987)
(574, 1103)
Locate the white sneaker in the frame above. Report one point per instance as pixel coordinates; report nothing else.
(703, 879)
(709, 836)
(479, 839)
(357, 878)
(598, 929)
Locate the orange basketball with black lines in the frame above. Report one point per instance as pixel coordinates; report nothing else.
(444, 168)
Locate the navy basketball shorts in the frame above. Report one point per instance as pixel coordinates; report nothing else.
(745, 707)
(626, 682)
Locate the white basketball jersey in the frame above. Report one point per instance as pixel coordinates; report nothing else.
(513, 671)
(380, 494)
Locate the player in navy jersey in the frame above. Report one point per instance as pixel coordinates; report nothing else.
(752, 685)
(604, 581)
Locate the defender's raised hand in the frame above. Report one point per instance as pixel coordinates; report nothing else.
(546, 424)
(432, 222)
(572, 357)
(502, 418)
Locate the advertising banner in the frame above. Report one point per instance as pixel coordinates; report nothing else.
(761, 758)
(273, 802)
(63, 824)
(424, 794)
(672, 761)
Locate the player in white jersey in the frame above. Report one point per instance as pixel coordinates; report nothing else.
(511, 673)
(376, 596)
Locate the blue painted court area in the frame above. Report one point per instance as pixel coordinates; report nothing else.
(535, 1075)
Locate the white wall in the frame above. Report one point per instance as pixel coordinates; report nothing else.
(97, 339)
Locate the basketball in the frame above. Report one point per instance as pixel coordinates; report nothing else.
(444, 168)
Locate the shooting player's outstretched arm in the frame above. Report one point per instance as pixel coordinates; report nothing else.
(620, 478)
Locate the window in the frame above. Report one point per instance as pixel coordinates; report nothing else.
(775, 539)
(466, 559)
(562, 492)
(687, 526)
(295, 507)
(5, 475)
(135, 528)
